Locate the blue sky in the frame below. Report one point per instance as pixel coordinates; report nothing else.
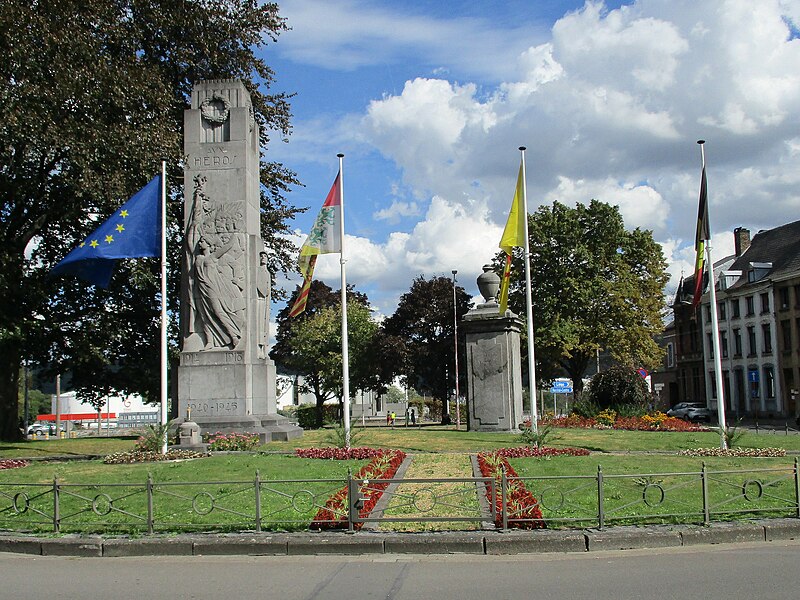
(429, 102)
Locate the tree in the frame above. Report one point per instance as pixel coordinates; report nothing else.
(596, 286)
(424, 323)
(311, 345)
(93, 97)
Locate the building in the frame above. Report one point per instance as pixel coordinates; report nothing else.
(758, 310)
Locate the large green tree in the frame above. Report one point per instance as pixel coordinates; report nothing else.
(93, 94)
(595, 285)
(424, 322)
(311, 345)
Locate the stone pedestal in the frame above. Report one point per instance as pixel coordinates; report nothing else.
(225, 378)
(494, 376)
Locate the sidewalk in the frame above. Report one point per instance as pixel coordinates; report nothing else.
(463, 542)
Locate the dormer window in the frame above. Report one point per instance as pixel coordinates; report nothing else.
(758, 270)
(728, 278)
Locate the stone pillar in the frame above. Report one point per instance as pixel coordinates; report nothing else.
(225, 377)
(494, 375)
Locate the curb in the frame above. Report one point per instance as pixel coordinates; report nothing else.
(368, 543)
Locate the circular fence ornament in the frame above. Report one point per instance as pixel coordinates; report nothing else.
(303, 501)
(752, 489)
(21, 507)
(203, 503)
(215, 109)
(653, 494)
(102, 504)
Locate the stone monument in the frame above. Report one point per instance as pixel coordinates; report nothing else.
(494, 376)
(225, 378)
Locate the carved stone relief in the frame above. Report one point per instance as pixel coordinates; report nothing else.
(215, 250)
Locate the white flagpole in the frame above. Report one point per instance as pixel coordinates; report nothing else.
(529, 302)
(164, 301)
(714, 323)
(345, 352)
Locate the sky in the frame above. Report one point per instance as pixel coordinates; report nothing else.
(430, 100)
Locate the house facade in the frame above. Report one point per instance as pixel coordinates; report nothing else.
(758, 311)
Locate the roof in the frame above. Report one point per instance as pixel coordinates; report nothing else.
(779, 246)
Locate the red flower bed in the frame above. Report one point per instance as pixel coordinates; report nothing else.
(339, 453)
(10, 463)
(626, 423)
(533, 452)
(519, 501)
(383, 466)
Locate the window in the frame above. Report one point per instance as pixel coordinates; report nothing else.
(723, 342)
(708, 313)
(764, 303)
(722, 311)
(670, 355)
(737, 343)
(713, 380)
(710, 345)
(750, 304)
(769, 382)
(767, 338)
(734, 308)
(786, 332)
(797, 296)
(751, 341)
(783, 295)
(752, 378)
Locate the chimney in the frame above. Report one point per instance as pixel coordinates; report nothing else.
(741, 240)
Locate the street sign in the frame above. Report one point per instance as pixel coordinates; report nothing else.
(752, 376)
(658, 386)
(562, 384)
(643, 373)
(560, 390)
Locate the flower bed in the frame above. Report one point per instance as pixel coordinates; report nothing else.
(737, 452)
(340, 453)
(138, 456)
(520, 503)
(233, 442)
(544, 452)
(335, 513)
(12, 463)
(609, 420)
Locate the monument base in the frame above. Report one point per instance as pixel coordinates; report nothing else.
(270, 428)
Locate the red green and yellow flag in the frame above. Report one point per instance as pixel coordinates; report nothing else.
(324, 238)
(702, 235)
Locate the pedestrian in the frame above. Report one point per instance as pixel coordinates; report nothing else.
(394, 416)
(413, 417)
(388, 418)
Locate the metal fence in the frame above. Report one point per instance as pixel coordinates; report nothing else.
(260, 504)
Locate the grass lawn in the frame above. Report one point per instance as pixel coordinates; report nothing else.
(658, 488)
(89, 488)
(435, 439)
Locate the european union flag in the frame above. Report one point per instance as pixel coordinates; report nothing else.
(132, 231)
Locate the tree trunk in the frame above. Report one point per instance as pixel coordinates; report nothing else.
(10, 356)
(576, 367)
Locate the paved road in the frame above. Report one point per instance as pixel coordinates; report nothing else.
(767, 571)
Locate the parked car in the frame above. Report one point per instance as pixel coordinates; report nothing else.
(680, 410)
(696, 415)
(42, 428)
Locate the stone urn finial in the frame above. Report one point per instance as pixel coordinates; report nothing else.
(489, 284)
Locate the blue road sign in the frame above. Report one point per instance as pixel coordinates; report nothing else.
(560, 390)
(562, 384)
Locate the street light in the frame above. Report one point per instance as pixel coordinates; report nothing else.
(455, 344)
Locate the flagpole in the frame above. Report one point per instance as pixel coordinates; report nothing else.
(529, 302)
(715, 328)
(164, 302)
(345, 352)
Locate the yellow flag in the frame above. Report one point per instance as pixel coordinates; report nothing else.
(513, 236)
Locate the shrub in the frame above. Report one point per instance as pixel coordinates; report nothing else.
(585, 408)
(621, 389)
(233, 442)
(307, 416)
(336, 435)
(153, 438)
(536, 438)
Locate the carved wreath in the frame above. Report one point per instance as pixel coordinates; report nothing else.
(211, 110)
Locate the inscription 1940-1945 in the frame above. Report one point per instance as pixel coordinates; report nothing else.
(213, 408)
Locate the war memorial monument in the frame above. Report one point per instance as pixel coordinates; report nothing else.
(226, 380)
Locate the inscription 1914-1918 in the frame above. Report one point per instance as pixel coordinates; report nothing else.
(217, 358)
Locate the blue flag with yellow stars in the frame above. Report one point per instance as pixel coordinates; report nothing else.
(132, 231)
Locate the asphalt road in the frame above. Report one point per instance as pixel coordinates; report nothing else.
(765, 571)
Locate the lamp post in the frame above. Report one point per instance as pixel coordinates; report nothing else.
(455, 347)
